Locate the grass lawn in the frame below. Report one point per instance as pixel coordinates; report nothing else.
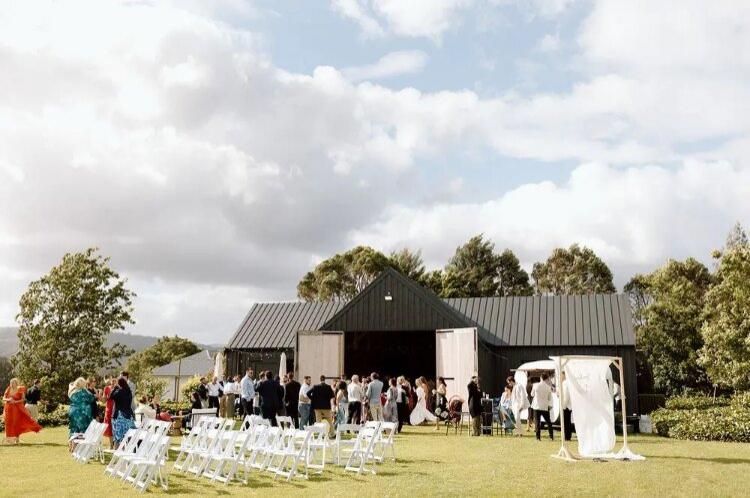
(429, 464)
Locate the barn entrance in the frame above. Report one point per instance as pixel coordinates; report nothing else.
(390, 353)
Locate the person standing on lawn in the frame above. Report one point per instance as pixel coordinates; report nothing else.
(519, 402)
(475, 406)
(321, 397)
(33, 395)
(374, 389)
(109, 408)
(247, 390)
(214, 391)
(541, 393)
(291, 398)
(306, 416)
(268, 390)
(16, 417)
(123, 418)
(131, 386)
(79, 413)
(355, 396)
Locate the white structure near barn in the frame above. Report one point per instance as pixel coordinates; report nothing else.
(178, 373)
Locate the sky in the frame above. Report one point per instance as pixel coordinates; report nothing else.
(217, 150)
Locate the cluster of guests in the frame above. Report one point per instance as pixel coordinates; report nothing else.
(337, 401)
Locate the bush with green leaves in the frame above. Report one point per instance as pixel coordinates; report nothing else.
(725, 420)
(695, 402)
(58, 416)
(175, 407)
(190, 387)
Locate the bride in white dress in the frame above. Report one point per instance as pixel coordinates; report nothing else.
(420, 413)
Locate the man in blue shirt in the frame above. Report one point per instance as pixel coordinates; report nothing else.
(374, 388)
(247, 386)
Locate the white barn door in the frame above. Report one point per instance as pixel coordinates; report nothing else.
(456, 358)
(319, 353)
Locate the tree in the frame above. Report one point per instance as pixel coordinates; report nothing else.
(6, 372)
(473, 270)
(737, 237)
(166, 350)
(726, 332)
(434, 281)
(669, 336)
(408, 263)
(576, 270)
(65, 318)
(512, 280)
(151, 387)
(637, 291)
(342, 276)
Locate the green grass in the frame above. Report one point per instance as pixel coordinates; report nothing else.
(429, 464)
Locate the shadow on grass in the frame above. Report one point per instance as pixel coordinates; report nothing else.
(722, 460)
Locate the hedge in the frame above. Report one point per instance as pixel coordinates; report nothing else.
(695, 402)
(725, 420)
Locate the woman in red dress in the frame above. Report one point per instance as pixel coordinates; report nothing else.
(110, 405)
(17, 418)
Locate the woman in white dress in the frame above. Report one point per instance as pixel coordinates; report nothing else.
(420, 413)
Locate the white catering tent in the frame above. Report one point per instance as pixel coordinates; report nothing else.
(521, 375)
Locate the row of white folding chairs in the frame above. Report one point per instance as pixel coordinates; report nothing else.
(89, 445)
(203, 439)
(141, 455)
(285, 422)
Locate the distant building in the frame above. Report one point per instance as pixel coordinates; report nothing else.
(179, 372)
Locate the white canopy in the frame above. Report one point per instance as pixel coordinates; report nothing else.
(537, 365)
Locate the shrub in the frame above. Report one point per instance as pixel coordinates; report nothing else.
(58, 416)
(694, 402)
(725, 420)
(175, 406)
(190, 387)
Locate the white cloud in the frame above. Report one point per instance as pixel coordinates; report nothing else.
(391, 64)
(549, 43)
(635, 218)
(412, 18)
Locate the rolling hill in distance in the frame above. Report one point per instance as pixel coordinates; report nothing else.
(9, 341)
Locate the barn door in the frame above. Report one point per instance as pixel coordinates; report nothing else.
(319, 353)
(456, 358)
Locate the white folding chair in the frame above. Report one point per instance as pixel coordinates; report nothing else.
(214, 445)
(78, 438)
(256, 447)
(235, 455)
(126, 447)
(148, 468)
(293, 455)
(346, 438)
(385, 441)
(145, 452)
(265, 452)
(189, 441)
(91, 446)
(363, 449)
(285, 422)
(316, 453)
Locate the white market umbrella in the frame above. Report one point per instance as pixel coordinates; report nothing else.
(219, 366)
(282, 366)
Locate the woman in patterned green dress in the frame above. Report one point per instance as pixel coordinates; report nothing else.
(79, 414)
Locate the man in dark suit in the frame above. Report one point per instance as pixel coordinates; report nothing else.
(321, 396)
(475, 406)
(291, 398)
(268, 390)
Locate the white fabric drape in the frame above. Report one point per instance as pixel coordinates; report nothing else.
(592, 405)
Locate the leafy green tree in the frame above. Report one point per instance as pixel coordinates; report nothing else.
(65, 318)
(669, 334)
(473, 270)
(342, 276)
(737, 237)
(6, 372)
(637, 291)
(433, 280)
(575, 270)
(512, 280)
(409, 263)
(726, 332)
(150, 386)
(166, 350)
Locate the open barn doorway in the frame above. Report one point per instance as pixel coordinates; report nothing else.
(390, 353)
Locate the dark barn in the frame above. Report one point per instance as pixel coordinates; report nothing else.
(394, 327)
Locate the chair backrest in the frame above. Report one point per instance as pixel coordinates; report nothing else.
(343, 429)
(372, 424)
(388, 431)
(285, 421)
(318, 433)
(247, 423)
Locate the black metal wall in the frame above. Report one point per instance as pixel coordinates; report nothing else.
(239, 360)
(409, 308)
(495, 364)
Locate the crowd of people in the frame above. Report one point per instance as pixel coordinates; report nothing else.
(337, 401)
(342, 400)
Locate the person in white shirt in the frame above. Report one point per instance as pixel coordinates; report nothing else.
(304, 402)
(518, 402)
(356, 395)
(541, 393)
(231, 390)
(214, 393)
(247, 392)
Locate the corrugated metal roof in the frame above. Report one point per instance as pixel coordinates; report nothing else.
(200, 363)
(275, 325)
(590, 320)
